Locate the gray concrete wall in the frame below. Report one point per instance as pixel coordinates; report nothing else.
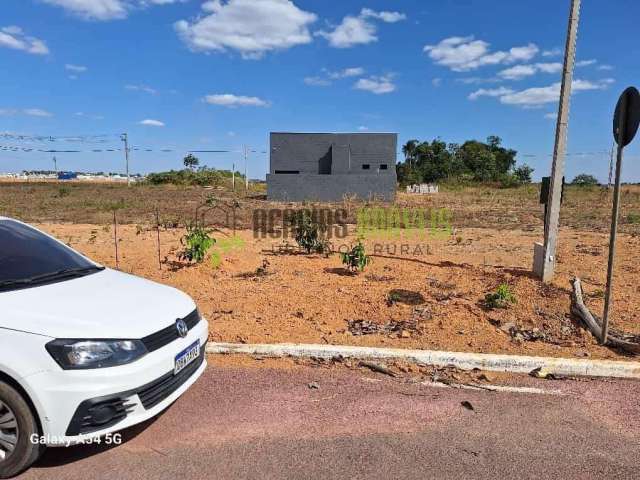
(303, 151)
(314, 155)
(329, 188)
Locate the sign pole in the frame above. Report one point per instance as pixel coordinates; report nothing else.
(625, 125)
(612, 246)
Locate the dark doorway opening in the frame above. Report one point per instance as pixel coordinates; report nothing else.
(324, 163)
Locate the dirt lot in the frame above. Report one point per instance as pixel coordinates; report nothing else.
(419, 292)
(429, 297)
(515, 208)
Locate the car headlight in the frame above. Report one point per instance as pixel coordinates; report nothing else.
(82, 354)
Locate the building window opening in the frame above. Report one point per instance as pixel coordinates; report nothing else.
(366, 166)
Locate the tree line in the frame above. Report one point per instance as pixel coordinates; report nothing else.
(473, 161)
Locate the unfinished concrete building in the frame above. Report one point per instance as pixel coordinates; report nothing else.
(329, 166)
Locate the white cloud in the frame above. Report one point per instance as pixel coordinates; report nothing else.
(554, 52)
(325, 81)
(152, 123)
(586, 63)
(554, 67)
(436, 82)
(551, 115)
(347, 72)
(250, 27)
(105, 9)
(230, 100)
(537, 96)
(33, 112)
(478, 80)
(377, 85)
(489, 92)
(462, 54)
(359, 30)
(75, 68)
(87, 115)
(362, 128)
(13, 37)
(317, 81)
(388, 17)
(519, 72)
(37, 112)
(605, 67)
(141, 88)
(94, 9)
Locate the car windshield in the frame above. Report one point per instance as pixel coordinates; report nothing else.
(27, 256)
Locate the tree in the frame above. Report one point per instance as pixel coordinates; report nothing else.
(409, 150)
(438, 161)
(505, 158)
(585, 180)
(478, 160)
(191, 161)
(523, 173)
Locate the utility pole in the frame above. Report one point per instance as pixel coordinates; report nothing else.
(233, 177)
(55, 164)
(545, 266)
(246, 179)
(125, 139)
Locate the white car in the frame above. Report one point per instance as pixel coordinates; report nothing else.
(85, 351)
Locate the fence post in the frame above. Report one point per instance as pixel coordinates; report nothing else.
(115, 238)
(158, 237)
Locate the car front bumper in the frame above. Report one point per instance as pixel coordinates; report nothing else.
(65, 396)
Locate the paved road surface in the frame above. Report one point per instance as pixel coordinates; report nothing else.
(243, 422)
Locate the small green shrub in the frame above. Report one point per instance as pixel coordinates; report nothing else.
(309, 234)
(356, 259)
(633, 218)
(197, 242)
(501, 298)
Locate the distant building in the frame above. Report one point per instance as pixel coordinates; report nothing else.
(329, 166)
(67, 175)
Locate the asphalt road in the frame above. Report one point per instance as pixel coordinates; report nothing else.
(245, 422)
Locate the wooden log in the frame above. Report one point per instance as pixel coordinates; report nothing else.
(579, 308)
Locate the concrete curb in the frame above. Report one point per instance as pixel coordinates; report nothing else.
(462, 360)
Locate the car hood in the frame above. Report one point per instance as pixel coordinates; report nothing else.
(106, 304)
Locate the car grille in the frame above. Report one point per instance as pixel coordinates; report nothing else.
(167, 335)
(156, 391)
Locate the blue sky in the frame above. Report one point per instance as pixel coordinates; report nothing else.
(205, 75)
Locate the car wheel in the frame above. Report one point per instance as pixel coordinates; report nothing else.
(17, 427)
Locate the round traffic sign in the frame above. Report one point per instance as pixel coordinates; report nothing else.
(627, 112)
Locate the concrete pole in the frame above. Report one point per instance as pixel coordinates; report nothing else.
(557, 169)
(125, 139)
(246, 178)
(610, 168)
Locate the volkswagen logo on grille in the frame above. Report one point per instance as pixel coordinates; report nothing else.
(182, 328)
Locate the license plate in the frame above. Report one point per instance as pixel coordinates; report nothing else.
(186, 356)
